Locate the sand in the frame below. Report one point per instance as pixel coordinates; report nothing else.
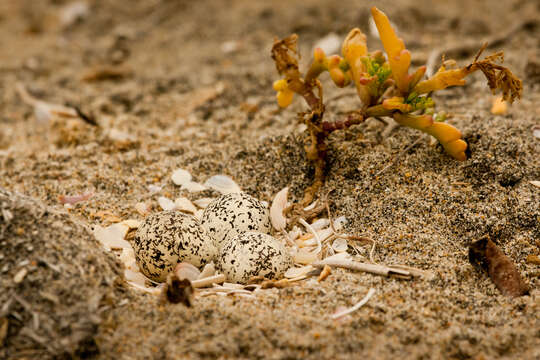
(192, 89)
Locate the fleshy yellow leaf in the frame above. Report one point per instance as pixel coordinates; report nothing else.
(448, 136)
(280, 85)
(396, 103)
(441, 80)
(284, 98)
(419, 122)
(354, 46)
(353, 49)
(398, 57)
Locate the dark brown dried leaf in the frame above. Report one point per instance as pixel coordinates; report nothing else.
(500, 268)
(178, 291)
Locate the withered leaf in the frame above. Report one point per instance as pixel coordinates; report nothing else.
(485, 254)
(178, 291)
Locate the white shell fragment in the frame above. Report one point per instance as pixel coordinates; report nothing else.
(166, 203)
(183, 204)
(135, 277)
(222, 183)
(154, 188)
(112, 237)
(183, 178)
(356, 306)
(233, 214)
(187, 271)
(180, 177)
(142, 208)
(193, 186)
(127, 257)
(340, 222)
(131, 223)
(340, 245)
(279, 221)
(203, 202)
(320, 223)
(304, 256)
(209, 270)
(169, 237)
(253, 254)
(295, 272)
(536, 132)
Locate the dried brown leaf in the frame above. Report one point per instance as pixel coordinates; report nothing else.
(500, 268)
(178, 291)
(499, 77)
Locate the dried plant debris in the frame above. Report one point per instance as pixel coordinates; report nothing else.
(178, 291)
(486, 255)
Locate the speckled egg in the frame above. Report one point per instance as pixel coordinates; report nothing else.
(253, 254)
(233, 214)
(170, 237)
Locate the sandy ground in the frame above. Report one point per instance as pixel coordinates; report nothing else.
(194, 92)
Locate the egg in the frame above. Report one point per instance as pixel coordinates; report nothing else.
(233, 214)
(167, 238)
(253, 254)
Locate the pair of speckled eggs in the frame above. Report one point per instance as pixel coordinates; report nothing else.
(233, 232)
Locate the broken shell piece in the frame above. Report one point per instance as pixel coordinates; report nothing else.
(187, 271)
(120, 136)
(127, 257)
(311, 206)
(209, 270)
(338, 257)
(203, 202)
(154, 188)
(233, 214)
(295, 272)
(19, 276)
(320, 224)
(131, 223)
(222, 183)
(169, 237)
(180, 177)
(193, 187)
(142, 208)
(72, 200)
(112, 237)
(357, 306)
(279, 221)
(183, 204)
(326, 271)
(340, 245)
(135, 277)
(304, 256)
(325, 233)
(253, 254)
(166, 203)
(208, 281)
(536, 131)
(340, 222)
(294, 233)
(199, 214)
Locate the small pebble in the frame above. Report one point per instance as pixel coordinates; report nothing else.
(19, 277)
